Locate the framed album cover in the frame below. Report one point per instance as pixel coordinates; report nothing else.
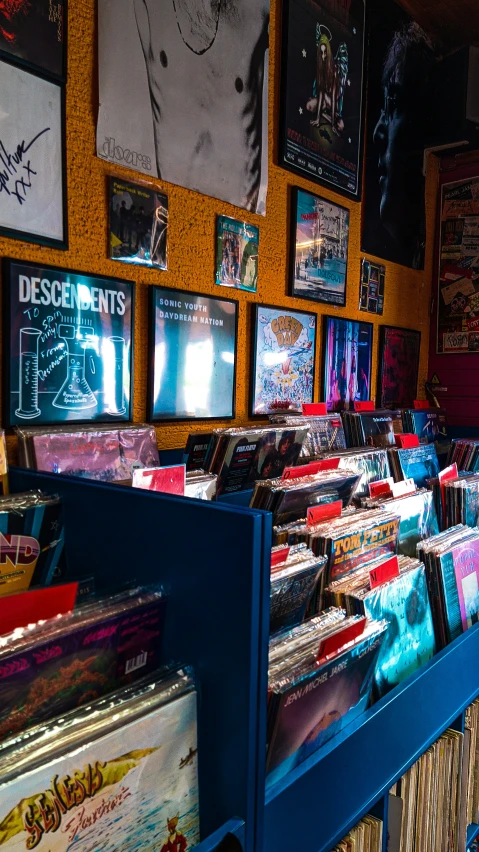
(319, 240)
(32, 158)
(138, 224)
(371, 288)
(237, 251)
(34, 34)
(68, 346)
(321, 111)
(192, 370)
(347, 359)
(399, 350)
(283, 362)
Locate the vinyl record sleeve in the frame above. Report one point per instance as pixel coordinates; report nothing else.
(418, 463)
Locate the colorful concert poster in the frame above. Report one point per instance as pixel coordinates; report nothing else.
(192, 355)
(284, 349)
(138, 224)
(322, 86)
(68, 341)
(458, 301)
(399, 350)
(321, 238)
(136, 787)
(347, 351)
(237, 247)
(34, 33)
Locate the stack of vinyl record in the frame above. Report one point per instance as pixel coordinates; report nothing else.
(196, 450)
(403, 602)
(289, 499)
(465, 452)
(417, 463)
(372, 464)
(452, 570)
(200, 485)
(418, 517)
(118, 774)
(372, 428)
(240, 456)
(299, 532)
(461, 500)
(366, 836)
(471, 758)
(429, 424)
(320, 679)
(293, 584)
(325, 433)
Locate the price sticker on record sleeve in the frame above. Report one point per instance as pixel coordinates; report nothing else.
(279, 556)
(384, 573)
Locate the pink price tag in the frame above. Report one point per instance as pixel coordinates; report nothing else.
(364, 406)
(314, 408)
(323, 512)
(384, 573)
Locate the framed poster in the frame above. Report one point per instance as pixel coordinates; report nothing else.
(34, 34)
(399, 350)
(347, 357)
(284, 351)
(320, 237)
(237, 251)
(138, 224)
(184, 94)
(371, 288)
(400, 94)
(458, 298)
(68, 346)
(32, 158)
(192, 356)
(321, 120)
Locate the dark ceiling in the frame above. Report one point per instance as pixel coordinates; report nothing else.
(454, 22)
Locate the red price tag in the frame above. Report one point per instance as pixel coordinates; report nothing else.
(314, 408)
(406, 441)
(448, 473)
(24, 608)
(364, 406)
(324, 512)
(303, 470)
(279, 556)
(383, 573)
(334, 643)
(419, 404)
(382, 486)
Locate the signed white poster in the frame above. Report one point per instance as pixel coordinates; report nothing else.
(31, 157)
(183, 93)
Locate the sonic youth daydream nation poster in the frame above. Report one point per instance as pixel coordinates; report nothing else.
(284, 353)
(68, 346)
(322, 91)
(347, 350)
(184, 93)
(192, 355)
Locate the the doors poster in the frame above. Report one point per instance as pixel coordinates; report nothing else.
(184, 94)
(347, 351)
(284, 354)
(34, 33)
(68, 346)
(321, 118)
(400, 98)
(458, 300)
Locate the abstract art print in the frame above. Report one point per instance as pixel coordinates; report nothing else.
(399, 350)
(347, 355)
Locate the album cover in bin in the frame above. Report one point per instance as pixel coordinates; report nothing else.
(378, 428)
(418, 519)
(429, 424)
(418, 463)
(292, 587)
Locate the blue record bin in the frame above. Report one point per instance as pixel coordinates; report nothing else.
(215, 561)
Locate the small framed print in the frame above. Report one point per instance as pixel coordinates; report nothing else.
(237, 251)
(192, 356)
(284, 351)
(399, 351)
(68, 346)
(138, 224)
(347, 360)
(319, 240)
(32, 158)
(371, 289)
(34, 34)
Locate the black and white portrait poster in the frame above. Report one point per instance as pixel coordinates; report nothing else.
(32, 197)
(322, 89)
(401, 65)
(183, 93)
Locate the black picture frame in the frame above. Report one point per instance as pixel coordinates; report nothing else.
(32, 21)
(403, 397)
(12, 319)
(327, 361)
(293, 154)
(256, 308)
(152, 416)
(299, 195)
(12, 171)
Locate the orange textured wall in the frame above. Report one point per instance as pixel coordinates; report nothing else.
(192, 233)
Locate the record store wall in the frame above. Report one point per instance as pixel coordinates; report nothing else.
(191, 260)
